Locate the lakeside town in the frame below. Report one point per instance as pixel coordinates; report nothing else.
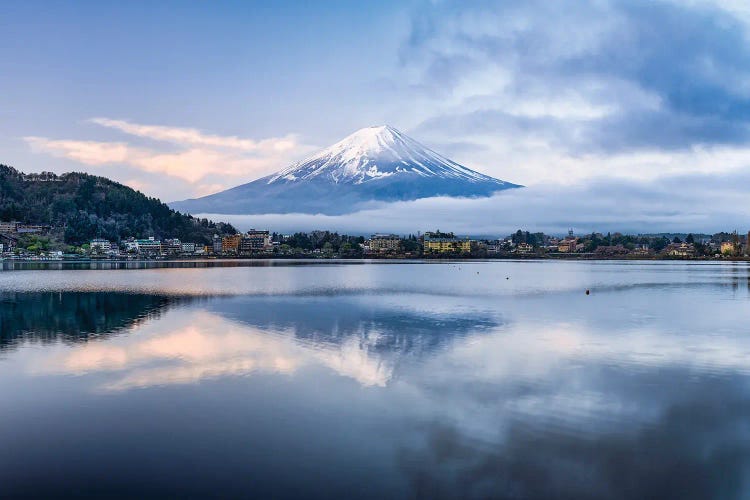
(36, 242)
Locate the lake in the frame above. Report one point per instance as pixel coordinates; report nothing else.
(283, 379)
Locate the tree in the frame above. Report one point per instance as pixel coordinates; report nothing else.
(690, 238)
(88, 206)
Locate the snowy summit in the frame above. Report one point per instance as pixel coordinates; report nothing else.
(372, 164)
(373, 153)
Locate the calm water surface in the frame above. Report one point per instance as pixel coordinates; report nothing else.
(381, 380)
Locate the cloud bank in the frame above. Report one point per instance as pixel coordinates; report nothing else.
(681, 203)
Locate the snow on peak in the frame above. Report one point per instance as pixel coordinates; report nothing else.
(375, 153)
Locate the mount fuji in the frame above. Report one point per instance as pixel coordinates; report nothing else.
(374, 164)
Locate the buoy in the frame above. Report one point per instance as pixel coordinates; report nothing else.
(587, 292)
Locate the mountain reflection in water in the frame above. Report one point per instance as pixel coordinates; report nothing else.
(210, 337)
(363, 381)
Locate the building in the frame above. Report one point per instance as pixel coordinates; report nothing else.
(438, 242)
(216, 245)
(495, 246)
(680, 250)
(382, 243)
(150, 245)
(100, 245)
(171, 246)
(728, 248)
(641, 250)
(8, 227)
(131, 245)
(31, 228)
(524, 248)
(567, 246)
(231, 244)
(187, 247)
(255, 241)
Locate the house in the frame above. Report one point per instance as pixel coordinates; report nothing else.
(728, 248)
(680, 250)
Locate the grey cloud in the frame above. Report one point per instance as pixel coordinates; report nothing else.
(693, 60)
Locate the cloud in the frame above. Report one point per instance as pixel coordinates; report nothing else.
(544, 94)
(574, 78)
(194, 137)
(200, 163)
(681, 203)
(195, 348)
(86, 152)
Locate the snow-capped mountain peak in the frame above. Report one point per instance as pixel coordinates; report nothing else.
(374, 164)
(374, 153)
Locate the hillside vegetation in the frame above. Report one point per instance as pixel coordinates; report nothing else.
(80, 206)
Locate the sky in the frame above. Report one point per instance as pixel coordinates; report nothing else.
(616, 115)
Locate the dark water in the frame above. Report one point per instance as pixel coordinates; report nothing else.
(407, 380)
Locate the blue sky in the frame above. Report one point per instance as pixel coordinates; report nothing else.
(181, 99)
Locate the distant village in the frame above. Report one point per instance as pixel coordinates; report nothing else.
(31, 242)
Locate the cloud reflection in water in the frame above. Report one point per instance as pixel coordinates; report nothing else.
(273, 336)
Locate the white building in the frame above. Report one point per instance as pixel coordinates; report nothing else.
(101, 245)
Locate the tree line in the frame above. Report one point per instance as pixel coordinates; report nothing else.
(83, 206)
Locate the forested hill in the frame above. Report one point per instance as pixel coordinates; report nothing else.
(83, 206)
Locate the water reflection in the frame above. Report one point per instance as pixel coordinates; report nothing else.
(410, 325)
(637, 390)
(696, 448)
(72, 316)
(358, 337)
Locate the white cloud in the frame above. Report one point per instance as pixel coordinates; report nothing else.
(86, 152)
(689, 203)
(192, 136)
(201, 163)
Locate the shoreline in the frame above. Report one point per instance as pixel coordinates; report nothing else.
(6, 264)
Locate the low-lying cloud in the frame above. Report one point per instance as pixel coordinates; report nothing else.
(685, 203)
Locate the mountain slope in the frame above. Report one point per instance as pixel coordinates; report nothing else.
(88, 206)
(374, 164)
